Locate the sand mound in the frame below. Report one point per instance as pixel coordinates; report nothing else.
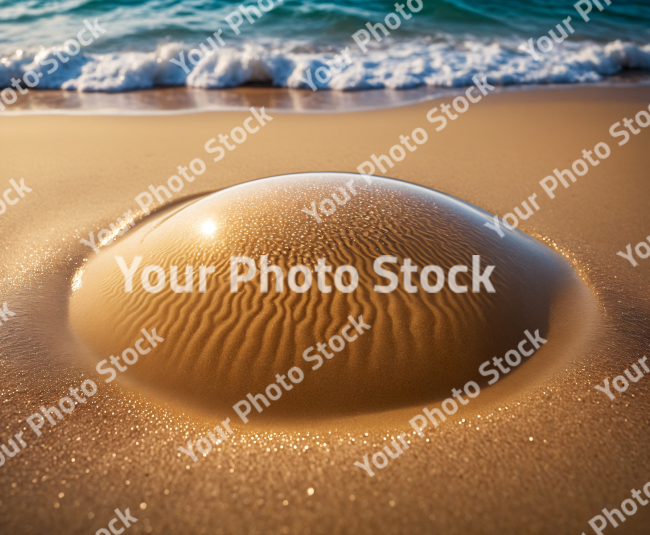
(221, 345)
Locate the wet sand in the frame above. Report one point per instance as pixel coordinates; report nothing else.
(480, 475)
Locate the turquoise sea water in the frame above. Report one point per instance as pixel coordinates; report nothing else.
(443, 44)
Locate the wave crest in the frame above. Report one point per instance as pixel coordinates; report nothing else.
(403, 65)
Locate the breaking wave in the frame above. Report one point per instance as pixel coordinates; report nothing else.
(449, 62)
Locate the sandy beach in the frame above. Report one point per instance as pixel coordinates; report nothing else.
(541, 451)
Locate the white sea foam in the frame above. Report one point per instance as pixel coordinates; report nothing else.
(448, 63)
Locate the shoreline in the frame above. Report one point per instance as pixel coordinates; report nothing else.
(182, 100)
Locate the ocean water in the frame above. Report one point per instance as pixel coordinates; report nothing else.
(444, 44)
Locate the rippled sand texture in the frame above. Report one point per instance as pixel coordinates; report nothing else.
(221, 345)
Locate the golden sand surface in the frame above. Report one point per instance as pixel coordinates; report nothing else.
(541, 451)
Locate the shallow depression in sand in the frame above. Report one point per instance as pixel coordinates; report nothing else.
(221, 345)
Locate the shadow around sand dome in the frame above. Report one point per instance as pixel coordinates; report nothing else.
(221, 345)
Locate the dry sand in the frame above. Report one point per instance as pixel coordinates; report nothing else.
(472, 475)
